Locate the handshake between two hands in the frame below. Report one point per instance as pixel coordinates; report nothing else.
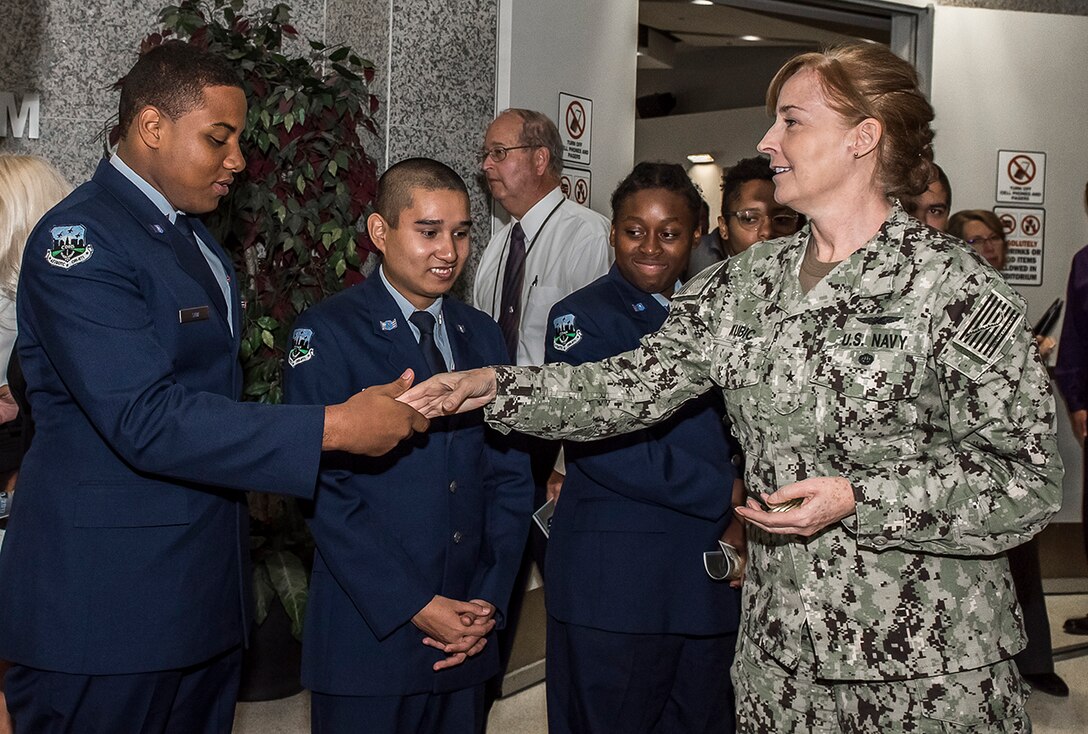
(457, 628)
(373, 421)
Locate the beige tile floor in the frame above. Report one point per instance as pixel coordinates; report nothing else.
(523, 713)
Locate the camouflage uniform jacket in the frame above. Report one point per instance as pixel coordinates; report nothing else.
(909, 370)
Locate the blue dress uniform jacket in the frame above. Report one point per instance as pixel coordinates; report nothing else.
(129, 550)
(637, 511)
(447, 512)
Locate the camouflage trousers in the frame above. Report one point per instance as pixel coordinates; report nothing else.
(774, 700)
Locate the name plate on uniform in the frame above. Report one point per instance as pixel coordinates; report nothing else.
(196, 313)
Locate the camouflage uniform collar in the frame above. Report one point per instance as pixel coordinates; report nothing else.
(874, 270)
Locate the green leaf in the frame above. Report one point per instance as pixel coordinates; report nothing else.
(292, 587)
(263, 592)
(340, 54)
(288, 121)
(268, 339)
(267, 322)
(255, 388)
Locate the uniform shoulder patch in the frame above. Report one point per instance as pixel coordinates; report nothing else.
(565, 334)
(695, 287)
(70, 246)
(988, 331)
(301, 350)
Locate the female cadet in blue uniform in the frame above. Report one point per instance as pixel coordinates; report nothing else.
(125, 594)
(412, 542)
(639, 637)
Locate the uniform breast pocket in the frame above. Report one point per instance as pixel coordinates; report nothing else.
(867, 403)
(739, 363)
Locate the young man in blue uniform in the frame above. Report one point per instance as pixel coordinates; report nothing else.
(417, 550)
(640, 639)
(125, 595)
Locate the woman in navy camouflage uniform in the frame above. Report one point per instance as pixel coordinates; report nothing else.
(879, 374)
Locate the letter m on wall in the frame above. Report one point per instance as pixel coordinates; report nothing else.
(19, 118)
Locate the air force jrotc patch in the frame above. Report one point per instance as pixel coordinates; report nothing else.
(564, 333)
(70, 246)
(301, 351)
(388, 325)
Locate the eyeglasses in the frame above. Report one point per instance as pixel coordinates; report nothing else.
(752, 219)
(499, 152)
(992, 240)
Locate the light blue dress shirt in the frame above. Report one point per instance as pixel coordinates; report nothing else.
(441, 340)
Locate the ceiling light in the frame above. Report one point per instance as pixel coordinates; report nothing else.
(702, 2)
(701, 158)
(751, 38)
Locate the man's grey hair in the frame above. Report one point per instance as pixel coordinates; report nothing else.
(538, 129)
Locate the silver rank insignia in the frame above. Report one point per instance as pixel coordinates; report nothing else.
(301, 351)
(70, 246)
(564, 333)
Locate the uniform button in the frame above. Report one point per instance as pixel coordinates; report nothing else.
(866, 358)
(457, 536)
(880, 541)
(453, 486)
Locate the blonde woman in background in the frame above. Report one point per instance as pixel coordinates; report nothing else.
(29, 187)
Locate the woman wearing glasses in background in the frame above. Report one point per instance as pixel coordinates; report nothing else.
(982, 230)
(749, 215)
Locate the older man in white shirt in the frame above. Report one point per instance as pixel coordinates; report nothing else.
(550, 248)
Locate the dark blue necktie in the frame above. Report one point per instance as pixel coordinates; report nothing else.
(424, 321)
(512, 280)
(197, 264)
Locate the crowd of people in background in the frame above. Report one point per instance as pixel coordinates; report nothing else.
(835, 385)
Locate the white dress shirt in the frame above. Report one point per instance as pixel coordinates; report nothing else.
(566, 248)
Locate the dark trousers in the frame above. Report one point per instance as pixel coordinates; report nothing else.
(602, 682)
(1037, 657)
(195, 700)
(542, 455)
(458, 712)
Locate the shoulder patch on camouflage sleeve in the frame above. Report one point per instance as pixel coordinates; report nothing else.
(700, 283)
(301, 350)
(985, 334)
(564, 333)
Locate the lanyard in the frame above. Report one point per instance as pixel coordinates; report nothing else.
(528, 249)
